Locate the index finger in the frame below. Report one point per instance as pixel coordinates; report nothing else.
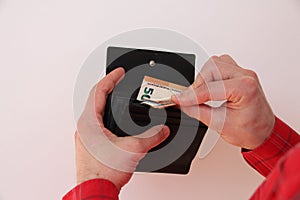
(217, 68)
(105, 86)
(231, 90)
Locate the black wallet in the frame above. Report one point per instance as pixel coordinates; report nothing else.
(124, 115)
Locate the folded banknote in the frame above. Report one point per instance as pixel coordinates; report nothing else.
(157, 93)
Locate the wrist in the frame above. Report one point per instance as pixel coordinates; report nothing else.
(114, 178)
(263, 135)
(268, 130)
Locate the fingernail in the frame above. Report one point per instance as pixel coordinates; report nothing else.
(174, 99)
(181, 96)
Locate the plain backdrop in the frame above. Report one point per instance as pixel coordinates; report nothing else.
(43, 44)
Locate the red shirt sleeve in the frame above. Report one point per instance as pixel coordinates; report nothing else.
(265, 157)
(277, 158)
(284, 180)
(95, 189)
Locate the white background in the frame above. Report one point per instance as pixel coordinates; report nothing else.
(44, 42)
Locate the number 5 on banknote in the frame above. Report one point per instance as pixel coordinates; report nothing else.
(147, 93)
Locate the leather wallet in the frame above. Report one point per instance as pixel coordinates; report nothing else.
(124, 115)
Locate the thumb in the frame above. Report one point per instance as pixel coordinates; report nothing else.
(152, 137)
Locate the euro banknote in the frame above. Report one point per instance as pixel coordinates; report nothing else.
(157, 93)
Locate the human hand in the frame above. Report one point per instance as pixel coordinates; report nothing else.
(245, 119)
(100, 153)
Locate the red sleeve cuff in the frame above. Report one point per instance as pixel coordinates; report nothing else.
(95, 189)
(264, 157)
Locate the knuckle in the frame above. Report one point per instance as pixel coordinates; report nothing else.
(75, 136)
(249, 84)
(226, 56)
(204, 92)
(214, 58)
(252, 74)
(137, 144)
(198, 81)
(103, 86)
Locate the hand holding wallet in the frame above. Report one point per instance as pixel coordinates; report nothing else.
(124, 115)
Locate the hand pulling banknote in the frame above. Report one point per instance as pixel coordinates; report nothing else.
(157, 93)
